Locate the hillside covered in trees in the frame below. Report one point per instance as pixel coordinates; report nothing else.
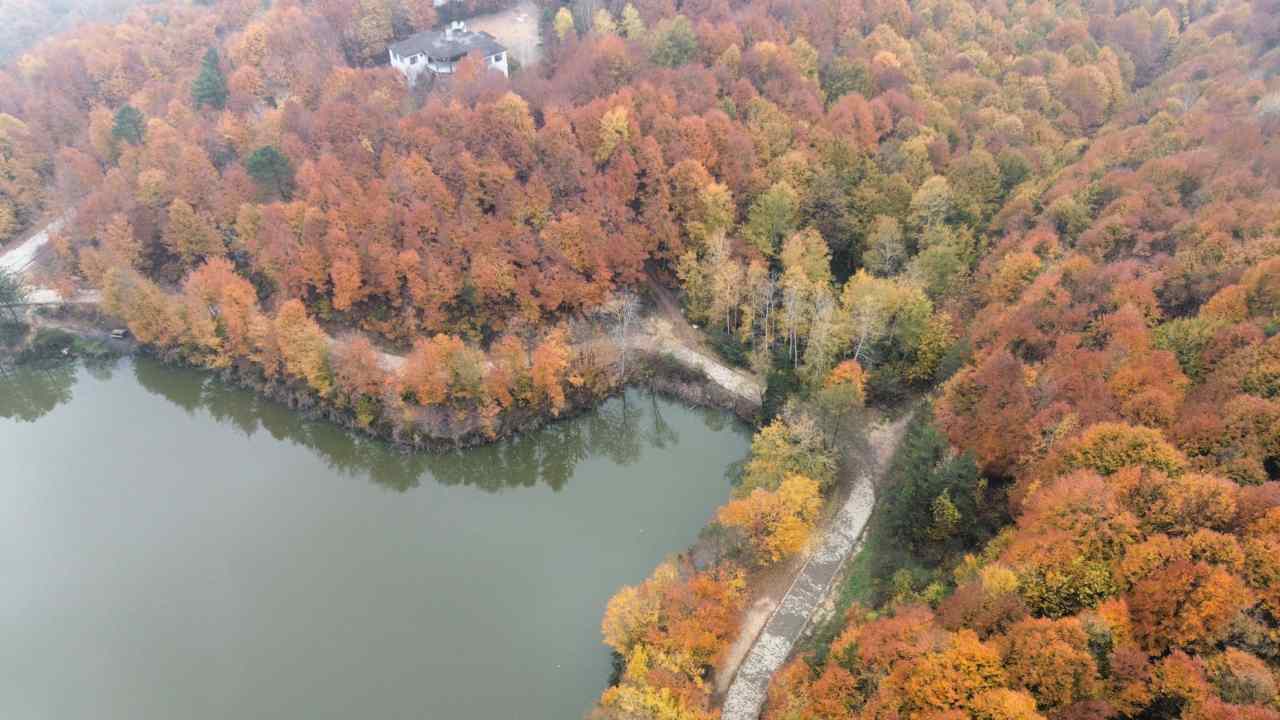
(1060, 220)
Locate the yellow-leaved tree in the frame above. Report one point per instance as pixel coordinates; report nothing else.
(304, 347)
(776, 523)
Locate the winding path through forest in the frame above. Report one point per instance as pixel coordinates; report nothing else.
(658, 334)
(864, 463)
(655, 335)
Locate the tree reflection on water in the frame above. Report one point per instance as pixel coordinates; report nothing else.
(618, 430)
(30, 392)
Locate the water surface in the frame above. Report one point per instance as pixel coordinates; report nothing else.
(175, 548)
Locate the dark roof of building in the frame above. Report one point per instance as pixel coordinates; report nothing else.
(447, 44)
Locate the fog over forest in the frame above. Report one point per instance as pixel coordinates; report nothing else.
(25, 22)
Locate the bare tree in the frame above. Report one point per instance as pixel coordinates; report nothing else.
(792, 300)
(821, 349)
(867, 321)
(628, 309)
(584, 13)
(766, 294)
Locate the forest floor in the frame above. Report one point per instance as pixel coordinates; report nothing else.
(775, 621)
(667, 305)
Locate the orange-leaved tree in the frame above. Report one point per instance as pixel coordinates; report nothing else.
(776, 523)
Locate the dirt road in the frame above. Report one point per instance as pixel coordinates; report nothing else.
(21, 258)
(865, 460)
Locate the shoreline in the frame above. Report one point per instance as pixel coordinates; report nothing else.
(667, 374)
(458, 427)
(764, 644)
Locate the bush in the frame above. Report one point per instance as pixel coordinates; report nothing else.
(937, 506)
(56, 344)
(48, 343)
(781, 383)
(956, 357)
(728, 347)
(885, 386)
(12, 333)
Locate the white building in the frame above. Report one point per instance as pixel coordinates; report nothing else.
(440, 51)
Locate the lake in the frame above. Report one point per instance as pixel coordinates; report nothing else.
(177, 548)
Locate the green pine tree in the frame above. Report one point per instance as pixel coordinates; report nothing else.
(272, 170)
(130, 125)
(210, 87)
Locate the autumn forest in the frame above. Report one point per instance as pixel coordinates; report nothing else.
(1045, 236)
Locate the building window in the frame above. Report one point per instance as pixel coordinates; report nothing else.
(497, 58)
(414, 60)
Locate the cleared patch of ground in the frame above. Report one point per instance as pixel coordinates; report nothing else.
(516, 28)
(660, 334)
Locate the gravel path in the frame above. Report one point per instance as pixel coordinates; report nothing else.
(654, 335)
(809, 590)
(657, 334)
(18, 258)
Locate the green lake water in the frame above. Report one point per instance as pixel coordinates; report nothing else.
(174, 548)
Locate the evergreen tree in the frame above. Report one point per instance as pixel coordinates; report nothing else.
(210, 87)
(12, 291)
(272, 170)
(937, 505)
(130, 125)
